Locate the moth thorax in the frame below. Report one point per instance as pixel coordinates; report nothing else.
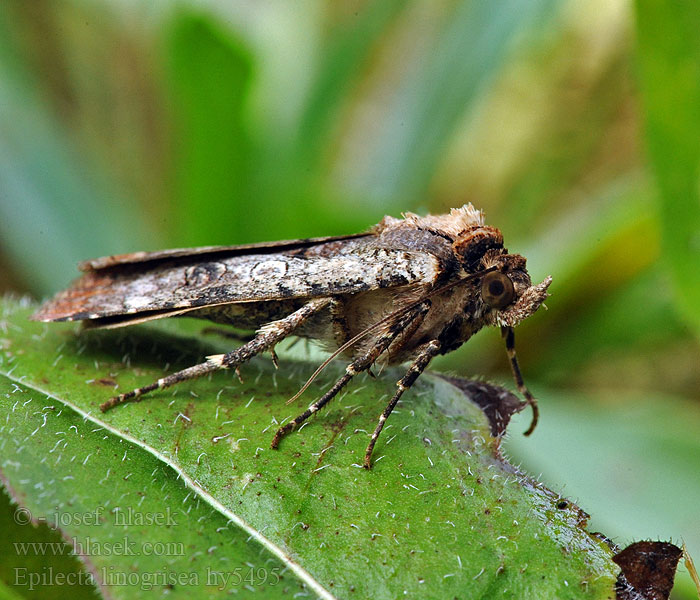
(472, 244)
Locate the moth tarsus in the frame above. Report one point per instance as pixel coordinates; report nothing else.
(418, 366)
(403, 292)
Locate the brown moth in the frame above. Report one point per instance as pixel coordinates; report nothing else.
(405, 291)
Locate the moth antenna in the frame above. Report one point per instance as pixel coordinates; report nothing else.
(397, 313)
(509, 336)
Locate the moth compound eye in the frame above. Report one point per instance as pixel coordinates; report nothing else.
(497, 290)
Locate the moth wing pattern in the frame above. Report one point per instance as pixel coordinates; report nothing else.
(141, 258)
(166, 283)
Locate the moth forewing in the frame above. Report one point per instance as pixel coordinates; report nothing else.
(405, 291)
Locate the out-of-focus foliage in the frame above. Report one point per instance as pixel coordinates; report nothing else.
(669, 62)
(128, 126)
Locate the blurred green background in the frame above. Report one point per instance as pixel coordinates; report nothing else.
(575, 126)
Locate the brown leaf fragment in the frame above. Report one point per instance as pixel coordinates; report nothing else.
(648, 569)
(498, 403)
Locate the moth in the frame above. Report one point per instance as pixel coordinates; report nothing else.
(404, 291)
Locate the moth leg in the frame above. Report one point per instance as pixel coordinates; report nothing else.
(405, 383)
(509, 336)
(266, 337)
(320, 403)
(362, 363)
(274, 357)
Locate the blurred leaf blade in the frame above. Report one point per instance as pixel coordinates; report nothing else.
(209, 77)
(669, 61)
(47, 187)
(8, 593)
(20, 538)
(346, 54)
(472, 45)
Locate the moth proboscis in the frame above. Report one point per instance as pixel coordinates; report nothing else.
(404, 291)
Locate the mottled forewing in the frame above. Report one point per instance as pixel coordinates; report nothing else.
(208, 252)
(189, 282)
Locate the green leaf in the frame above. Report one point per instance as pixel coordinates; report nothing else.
(23, 564)
(669, 61)
(7, 593)
(209, 74)
(629, 457)
(439, 515)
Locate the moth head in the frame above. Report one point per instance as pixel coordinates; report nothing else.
(507, 291)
